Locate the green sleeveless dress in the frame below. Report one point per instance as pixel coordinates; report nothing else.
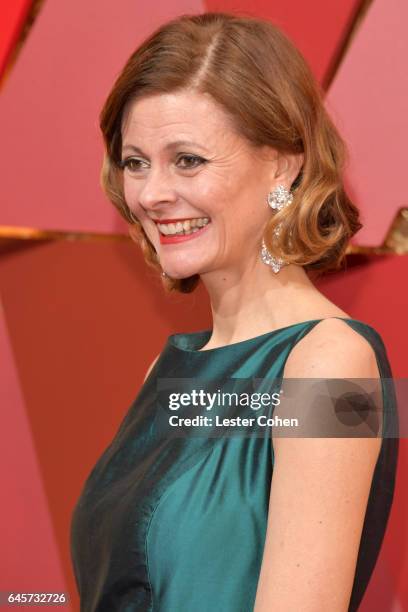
(177, 523)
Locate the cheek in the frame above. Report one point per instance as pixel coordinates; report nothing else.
(213, 196)
(214, 184)
(131, 194)
(245, 218)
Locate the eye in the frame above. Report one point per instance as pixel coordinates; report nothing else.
(194, 161)
(132, 164)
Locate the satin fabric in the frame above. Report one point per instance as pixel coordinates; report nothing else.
(167, 523)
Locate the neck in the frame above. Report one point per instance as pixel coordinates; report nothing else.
(252, 300)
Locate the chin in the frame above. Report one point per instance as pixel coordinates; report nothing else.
(180, 271)
(178, 275)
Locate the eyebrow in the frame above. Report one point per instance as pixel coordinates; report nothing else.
(170, 145)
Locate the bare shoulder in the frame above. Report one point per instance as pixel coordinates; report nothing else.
(332, 349)
(151, 366)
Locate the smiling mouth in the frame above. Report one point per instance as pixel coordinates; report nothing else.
(183, 228)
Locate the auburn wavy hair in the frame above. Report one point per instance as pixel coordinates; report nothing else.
(258, 76)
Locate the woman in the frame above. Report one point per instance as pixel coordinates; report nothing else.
(221, 156)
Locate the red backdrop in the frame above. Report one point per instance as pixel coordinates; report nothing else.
(83, 319)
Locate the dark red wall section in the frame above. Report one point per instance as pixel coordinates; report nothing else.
(83, 319)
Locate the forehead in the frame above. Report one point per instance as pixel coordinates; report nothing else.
(183, 115)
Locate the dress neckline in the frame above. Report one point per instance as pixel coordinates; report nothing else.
(191, 342)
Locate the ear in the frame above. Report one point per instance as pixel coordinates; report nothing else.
(288, 166)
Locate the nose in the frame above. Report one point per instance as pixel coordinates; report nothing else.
(157, 189)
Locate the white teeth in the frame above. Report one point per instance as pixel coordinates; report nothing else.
(189, 226)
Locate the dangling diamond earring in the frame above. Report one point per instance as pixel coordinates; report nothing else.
(275, 262)
(277, 199)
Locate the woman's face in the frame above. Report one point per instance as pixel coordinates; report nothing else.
(184, 161)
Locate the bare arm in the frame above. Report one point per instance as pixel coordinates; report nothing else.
(319, 491)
